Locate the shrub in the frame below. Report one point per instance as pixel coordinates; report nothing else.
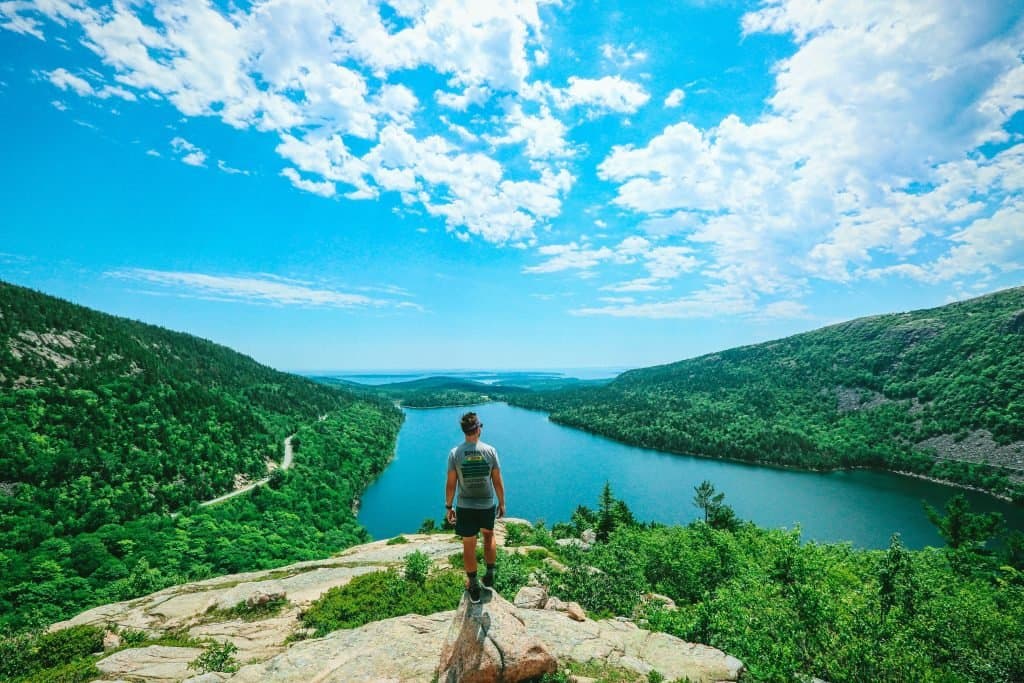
(217, 657)
(247, 612)
(78, 671)
(515, 534)
(417, 565)
(397, 540)
(29, 654)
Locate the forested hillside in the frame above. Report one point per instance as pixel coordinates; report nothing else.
(107, 425)
(938, 392)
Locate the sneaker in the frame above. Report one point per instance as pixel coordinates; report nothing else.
(474, 591)
(489, 579)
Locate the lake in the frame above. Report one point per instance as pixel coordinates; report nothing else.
(550, 469)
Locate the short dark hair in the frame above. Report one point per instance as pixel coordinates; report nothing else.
(470, 423)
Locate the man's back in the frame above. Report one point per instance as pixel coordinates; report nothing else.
(473, 462)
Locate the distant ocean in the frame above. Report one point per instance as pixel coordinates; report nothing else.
(388, 376)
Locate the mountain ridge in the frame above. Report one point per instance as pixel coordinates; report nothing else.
(108, 425)
(897, 391)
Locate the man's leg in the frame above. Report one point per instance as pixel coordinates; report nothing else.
(469, 562)
(490, 555)
(469, 554)
(490, 546)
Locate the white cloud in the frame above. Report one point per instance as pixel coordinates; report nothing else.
(189, 153)
(259, 290)
(543, 134)
(672, 224)
(623, 57)
(570, 256)
(675, 98)
(462, 132)
(468, 190)
(867, 149)
(666, 263)
(65, 80)
(324, 188)
(661, 262)
(12, 19)
(152, 153)
(642, 284)
(68, 81)
(316, 74)
(59, 105)
(472, 95)
(223, 166)
(602, 95)
(714, 301)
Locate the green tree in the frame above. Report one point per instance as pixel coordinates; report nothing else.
(961, 528)
(896, 579)
(717, 514)
(706, 499)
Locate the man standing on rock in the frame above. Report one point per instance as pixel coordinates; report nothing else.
(473, 466)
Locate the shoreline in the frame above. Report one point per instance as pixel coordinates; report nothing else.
(946, 482)
(753, 463)
(756, 463)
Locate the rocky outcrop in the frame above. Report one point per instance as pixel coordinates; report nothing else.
(400, 650)
(404, 649)
(623, 644)
(488, 642)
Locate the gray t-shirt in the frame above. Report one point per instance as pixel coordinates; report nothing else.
(474, 462)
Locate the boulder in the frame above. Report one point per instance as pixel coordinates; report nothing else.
(554, 603)
(555, 564)
(662, 600)
(260, 598)
(488, 643)
(589, 536)
(620, 643)
(111, 641)
(575, 612)
(531, 597)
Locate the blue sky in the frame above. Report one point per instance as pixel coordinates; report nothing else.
(460, 184)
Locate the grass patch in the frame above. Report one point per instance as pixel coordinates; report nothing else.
(176, 638)
(247, 612)
(382, 595)
(397, 540)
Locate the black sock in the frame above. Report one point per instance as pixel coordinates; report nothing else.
(490, 569)
(472, 576)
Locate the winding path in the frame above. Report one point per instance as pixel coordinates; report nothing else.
(286, 463)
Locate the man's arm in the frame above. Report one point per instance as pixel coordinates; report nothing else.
(499, 489)
(449, 496)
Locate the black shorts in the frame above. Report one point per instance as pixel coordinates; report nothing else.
(469, 521)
